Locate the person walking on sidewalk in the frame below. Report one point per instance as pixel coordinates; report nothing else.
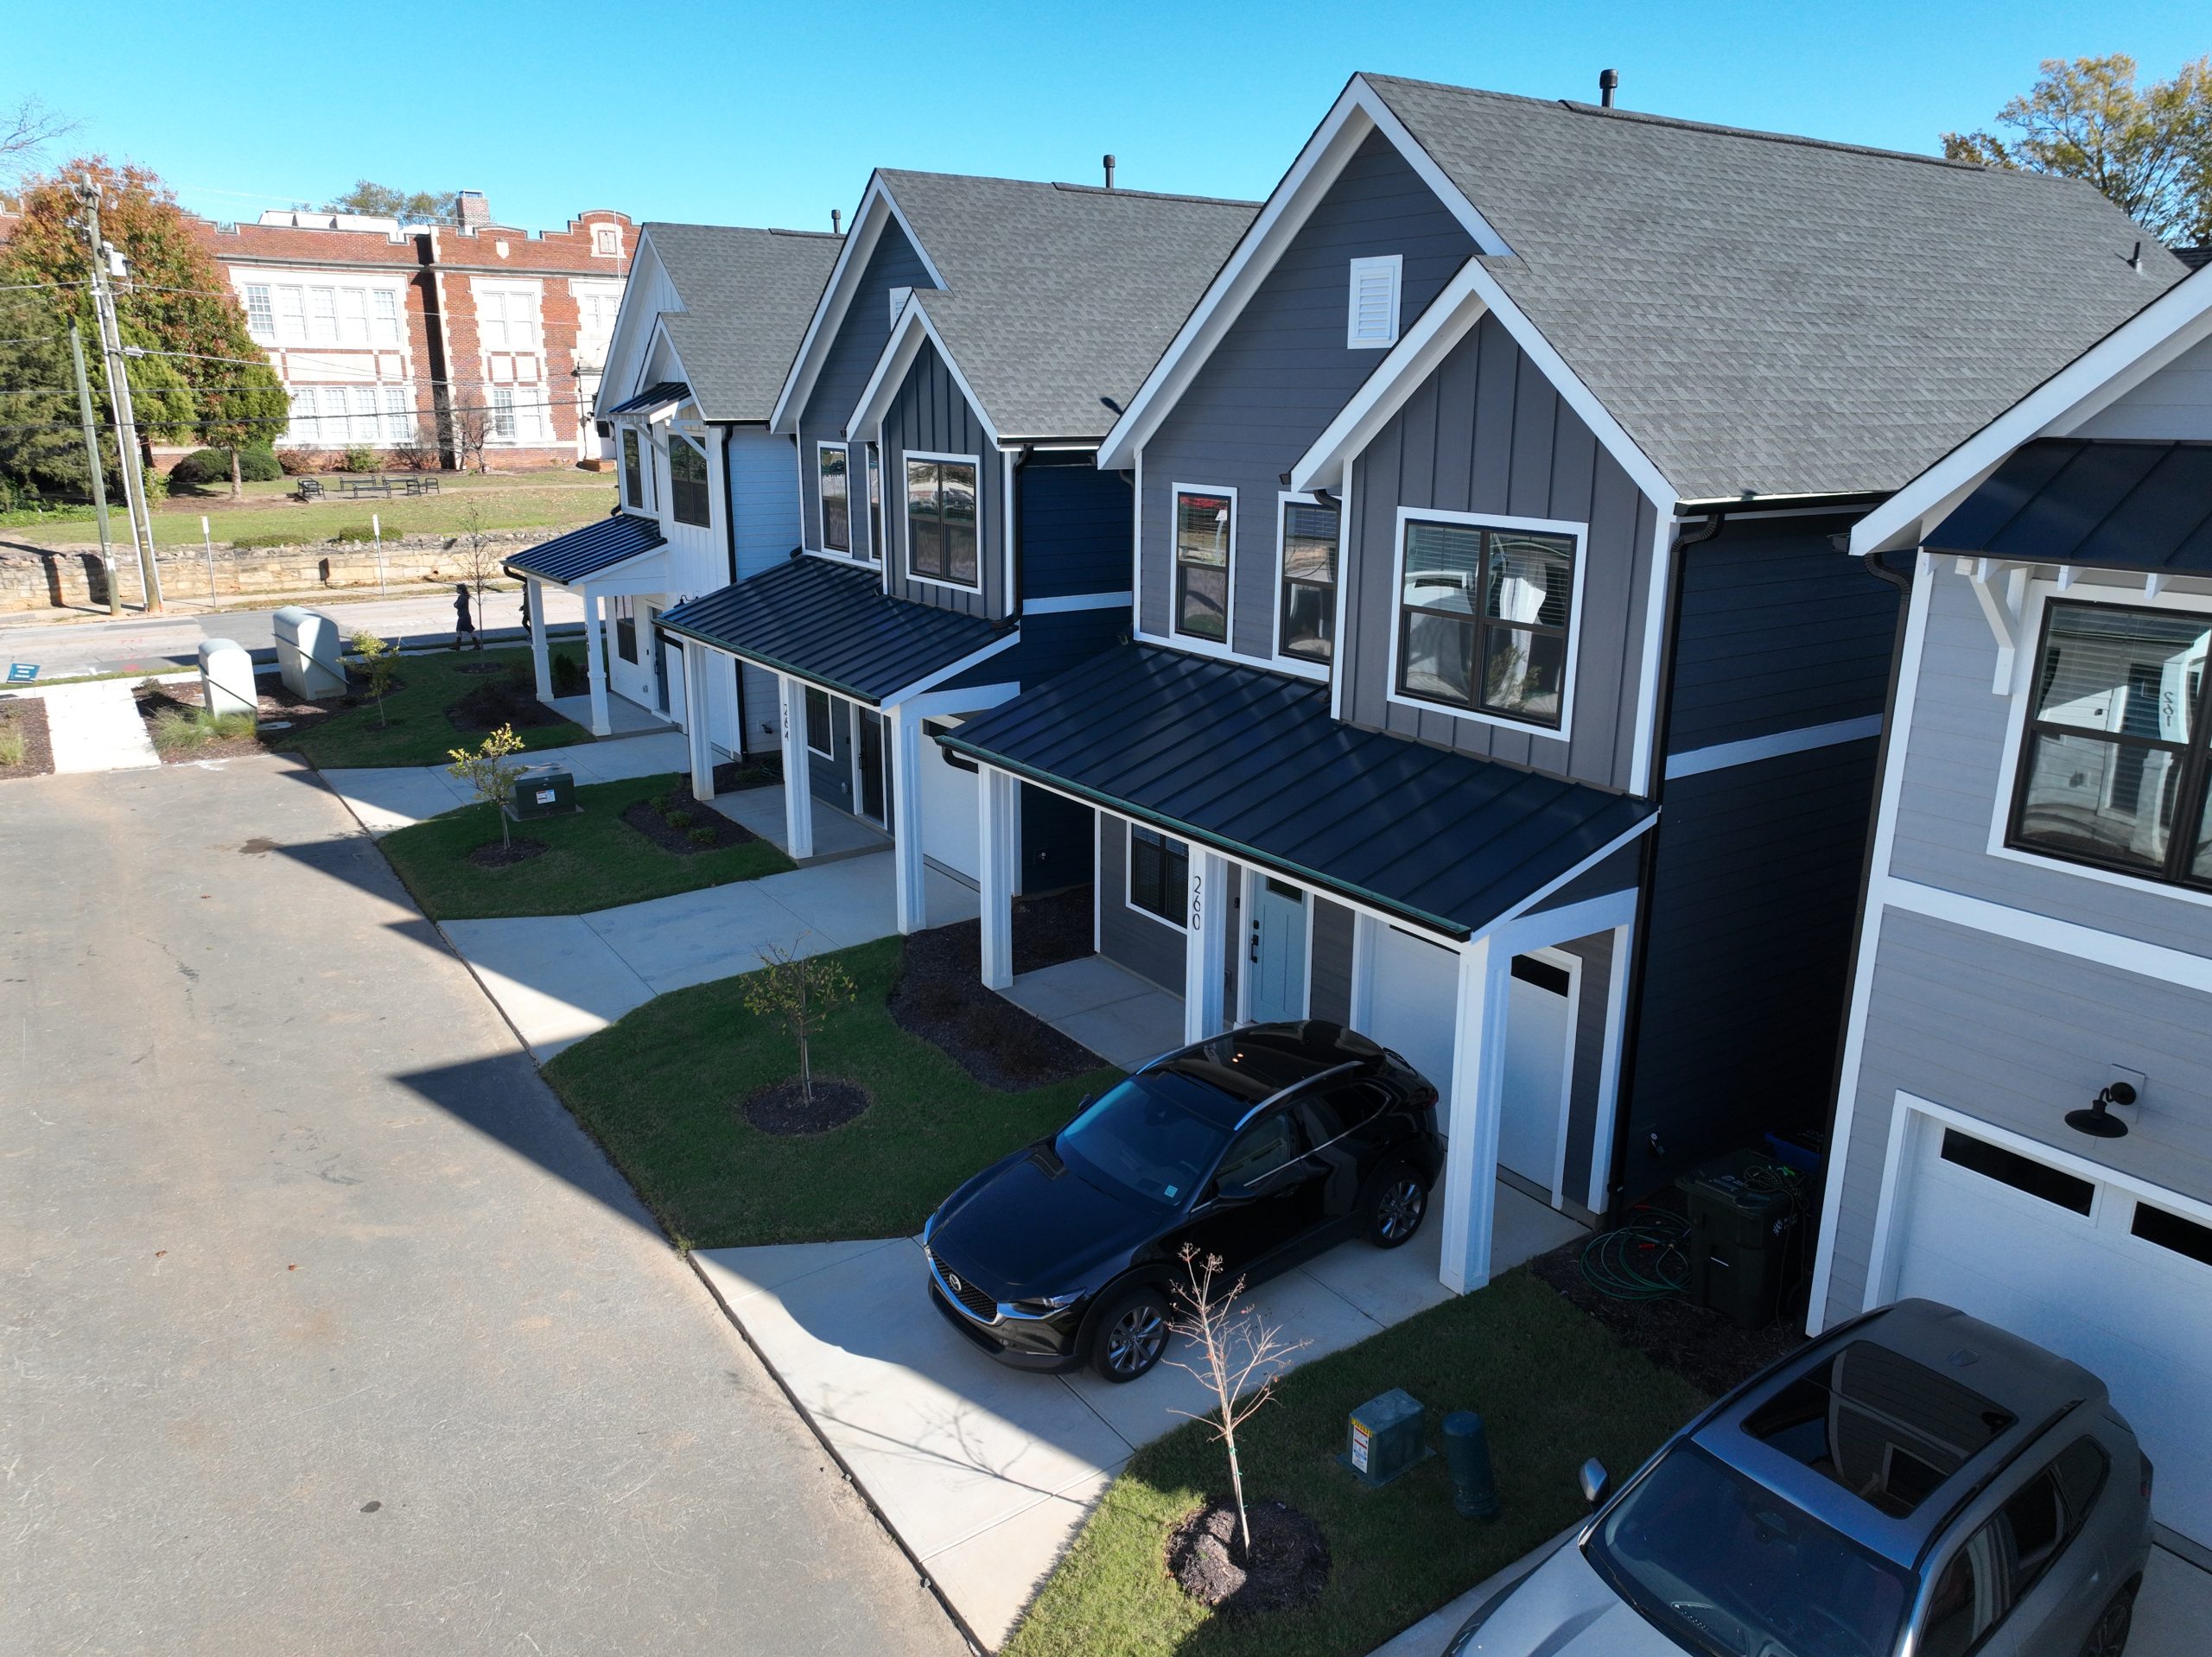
(464, 625)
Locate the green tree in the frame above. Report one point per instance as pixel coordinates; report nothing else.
(409, 206)
(490, 772)
(380, 662)
(2147, 148)
(800, 993)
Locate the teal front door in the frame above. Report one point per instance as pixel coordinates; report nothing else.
(1276, 953)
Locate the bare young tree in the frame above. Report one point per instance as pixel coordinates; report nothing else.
(25, 131)
(800, 993)
(1239, 1357)
(465, 426)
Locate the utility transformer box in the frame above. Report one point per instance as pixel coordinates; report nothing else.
(543, 791)
(309, 653)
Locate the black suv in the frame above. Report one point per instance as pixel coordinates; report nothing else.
(1264, 1147)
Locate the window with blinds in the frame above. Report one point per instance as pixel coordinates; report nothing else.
(1205, 523)
(1482, 617)
(1309, 580)
(1373, 319)
(941, 521)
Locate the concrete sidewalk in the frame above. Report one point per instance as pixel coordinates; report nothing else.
(386, 797)
(95, 727)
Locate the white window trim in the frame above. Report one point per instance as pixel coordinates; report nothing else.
(807, 692)
(1579, 532)
(906, 540)
(1176, 636)
(1305, 667)
(2040, 592)
(1393, 266)
(821, 516)
(1129, 875)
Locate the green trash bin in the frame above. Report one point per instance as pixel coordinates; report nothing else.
(1744, 1216)
(543, 791)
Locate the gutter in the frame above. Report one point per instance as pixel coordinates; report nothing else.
(1731, 505)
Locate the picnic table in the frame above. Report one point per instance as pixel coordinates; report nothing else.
(359, 486)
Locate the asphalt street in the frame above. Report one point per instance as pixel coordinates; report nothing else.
(326, 1330)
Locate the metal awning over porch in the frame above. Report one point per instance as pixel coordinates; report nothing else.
(2106, 503)
(656, 399)
(837, 628)
(592, 551)
(1252, 764)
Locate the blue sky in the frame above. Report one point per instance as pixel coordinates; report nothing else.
(773, 114)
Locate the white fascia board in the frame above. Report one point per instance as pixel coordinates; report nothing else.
(622, 337)
(913, 326)
(2138, 347)
(952, 670)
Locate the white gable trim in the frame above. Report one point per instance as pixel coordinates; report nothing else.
(1358, 110)
(2168, 325)
(660, 337)
(625, 360)
(912, 326)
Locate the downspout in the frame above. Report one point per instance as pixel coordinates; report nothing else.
(729, 526)
(1012, 538)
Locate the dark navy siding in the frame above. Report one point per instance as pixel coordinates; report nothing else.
(829, 778)
(1051, 644)
(932, 414)
(1056, 837)
(1075, 528)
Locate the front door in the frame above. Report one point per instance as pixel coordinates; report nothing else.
(1539, 1027)
(868, 759)
(1275, 950)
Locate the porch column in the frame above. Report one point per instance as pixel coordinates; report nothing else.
(902, 736)
(1364, 942)
(798, 792)
(695, 722)
(1205, 953)
(595, 650)
(994, 843)
(540, 662)
(1472, 1111)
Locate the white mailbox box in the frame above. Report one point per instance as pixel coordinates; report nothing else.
(227, 677)
(309, 653)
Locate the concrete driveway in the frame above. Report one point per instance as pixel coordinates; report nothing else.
(327, 1329)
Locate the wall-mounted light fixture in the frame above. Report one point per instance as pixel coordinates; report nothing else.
(2098, 1121)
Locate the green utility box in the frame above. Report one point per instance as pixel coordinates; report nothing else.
(543, 791)
(1383, 1439)
(1743, 1217)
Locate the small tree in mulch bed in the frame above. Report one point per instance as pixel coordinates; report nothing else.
(379, 660)
(491, 772)
(799, 992)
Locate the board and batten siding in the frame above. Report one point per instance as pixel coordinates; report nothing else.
(845, 366)
(1282, 371)
(1487, 433)
(764, 499)
(932, 414)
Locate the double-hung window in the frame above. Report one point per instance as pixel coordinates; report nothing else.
(831, 462)
(2114, 762)
(687, 481)
(633, 474)
(1483, 619)
(1206, 531)
(941, 520)
(1309, 580)
(503, 413)
(260, 314)
(1160, 875)
(385, 318)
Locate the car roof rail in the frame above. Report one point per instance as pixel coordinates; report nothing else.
(1300, 1086)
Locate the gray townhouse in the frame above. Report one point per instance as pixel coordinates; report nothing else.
(1497, 683)
(707, 327)
(2022, 1123)
(956, 539)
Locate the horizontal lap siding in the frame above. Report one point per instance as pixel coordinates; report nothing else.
(932, 413)
(1329, 996)
(1074, 529)
(1127, 937)
(1282, 372)
(1486, 433)
(764, 494)
(846, 367)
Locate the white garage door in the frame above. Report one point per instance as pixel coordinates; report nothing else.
(1417, 994)
(2117, 1280)
(950, 829)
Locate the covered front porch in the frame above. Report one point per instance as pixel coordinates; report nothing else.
(619, 567)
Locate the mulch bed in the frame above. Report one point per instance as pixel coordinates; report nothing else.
(732, 775)
(940, 995)
(153, 698)
(670, 838)
(495, 855)
(27, 715)
(1288, 1568)
(783, 1109)
(510, 700)
(276, 706)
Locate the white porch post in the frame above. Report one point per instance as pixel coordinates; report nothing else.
(1473, 1112)
(695, 722)
(595, 650)
(995, 792)
(540, 662)
(799, 794)
(1205, 953)
(902, 734)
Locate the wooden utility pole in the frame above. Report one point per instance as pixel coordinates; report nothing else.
(106, 262)
(93, 461)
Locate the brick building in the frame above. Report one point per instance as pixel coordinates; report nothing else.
(434, 337)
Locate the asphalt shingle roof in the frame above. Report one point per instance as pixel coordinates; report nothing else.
(1779, 315)
(1058, 298)
(586, 551)
(747, 296)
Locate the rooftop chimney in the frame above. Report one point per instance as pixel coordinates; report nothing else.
(1608, 80)
(837, 222)
(471, 211)
(1110, 172)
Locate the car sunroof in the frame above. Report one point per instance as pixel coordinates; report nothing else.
(1889, 1430)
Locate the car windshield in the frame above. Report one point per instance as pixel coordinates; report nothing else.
(1729, 1568)
(1142, 1138)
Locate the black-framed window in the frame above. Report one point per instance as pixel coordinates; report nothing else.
(875, 505)
(1160, 875)
(1309, 580)
(2113, 760)
(835, 493)
(1483, 616)
(687, 481)
(1206, 531)
(626, 631)
(941, 520)
(633, 474)
(820, 737)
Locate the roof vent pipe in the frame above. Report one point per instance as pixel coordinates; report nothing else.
(1608, 81)
(1110, 172)
(837, 222)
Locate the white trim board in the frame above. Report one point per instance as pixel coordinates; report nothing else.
(1066, 602)
(913, 324)
(2153, 961)
(1751, 750)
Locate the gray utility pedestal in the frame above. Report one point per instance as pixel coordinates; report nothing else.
(227, 677)
(309, 653)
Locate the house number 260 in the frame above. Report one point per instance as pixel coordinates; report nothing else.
(1197, 901)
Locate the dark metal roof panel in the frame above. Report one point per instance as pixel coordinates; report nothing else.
(835, 626)
(1252, 763)
(653, 398)
(2102, 503)
(586, 551)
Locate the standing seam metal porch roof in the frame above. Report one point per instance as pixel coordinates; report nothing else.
(663, 394)
(1251, 763)
(836, 627)
(570, 557)
(2106, 503)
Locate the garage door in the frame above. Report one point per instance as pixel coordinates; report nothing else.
(2110, 1276)
(950, 832)
(1416, 996)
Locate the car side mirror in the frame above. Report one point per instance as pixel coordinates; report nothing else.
(1596, 1482)
(1233, 1191)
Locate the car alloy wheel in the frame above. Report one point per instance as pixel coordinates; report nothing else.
(1132, 1342)
(1399, 1209)
(2110, 1637)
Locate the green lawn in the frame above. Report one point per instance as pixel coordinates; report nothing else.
(413, 729)
(1553, 1388)
(662, 1089)
(595, 861)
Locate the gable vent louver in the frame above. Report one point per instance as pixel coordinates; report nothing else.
(1373, 319)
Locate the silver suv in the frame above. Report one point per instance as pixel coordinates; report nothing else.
(1914, 1484)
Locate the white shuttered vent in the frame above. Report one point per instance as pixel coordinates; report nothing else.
(1374, 313)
